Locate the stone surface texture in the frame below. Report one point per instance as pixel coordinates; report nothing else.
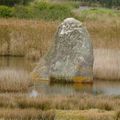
(71, 55)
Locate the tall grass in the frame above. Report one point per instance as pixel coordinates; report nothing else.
(14, 81)
(104, 32)
(93, 114)
(27, 114)
(80, 106)
(107, 64)
(60, 102)
(32, 114)
(26, 37)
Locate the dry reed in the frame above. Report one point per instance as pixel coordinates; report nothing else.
(33, 38)
(93, 114)
(26, 37)
(107, 64)
(80, 106)
(60, 102)
(14, 81)
(104, 32)
(26, 114)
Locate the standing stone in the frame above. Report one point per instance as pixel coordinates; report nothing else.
(70, 57)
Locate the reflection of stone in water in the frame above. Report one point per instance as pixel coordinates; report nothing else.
(61, 89)
(107, 87)
(19, 67)
(83, 87)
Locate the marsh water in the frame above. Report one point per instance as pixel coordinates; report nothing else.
(98, 87)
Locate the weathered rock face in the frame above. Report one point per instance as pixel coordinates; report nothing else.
(71, 56)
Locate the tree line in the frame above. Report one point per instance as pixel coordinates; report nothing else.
(105, 3)
(14, 2)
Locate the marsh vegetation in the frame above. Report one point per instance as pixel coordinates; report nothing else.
(59, 107)
(53, 101)
(32, 39)
(28, 31)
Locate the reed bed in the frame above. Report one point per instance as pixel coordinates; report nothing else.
(33, 39)
(14, 80)
(26, 114)
(74, 107)
(93, 114)
(107, 64)
(60, 102)
(26, 37)
(104, 32)
(32, 114)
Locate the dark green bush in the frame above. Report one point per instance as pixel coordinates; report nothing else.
(51, 11)
(6, 11)
(104, 3)
(38, 10)
(14, 2)
(22, 12)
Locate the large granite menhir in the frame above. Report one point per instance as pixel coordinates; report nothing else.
(70, 57)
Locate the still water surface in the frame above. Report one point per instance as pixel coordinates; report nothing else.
(98, 87)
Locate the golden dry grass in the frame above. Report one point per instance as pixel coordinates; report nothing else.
(92, 114)
(60, 102)
(26, 37)
(104, 32)
(26, 114)
(14, 81)
(75, 107)
(33, 114)
(107, 64)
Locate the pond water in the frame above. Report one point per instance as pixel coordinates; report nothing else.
(41, 87)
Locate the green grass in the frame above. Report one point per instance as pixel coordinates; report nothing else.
(14, 81)
(100, 11)
(96, 13)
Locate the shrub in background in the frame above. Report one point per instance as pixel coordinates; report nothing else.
(14, 2)
(51, 11)
(21, 11)
(38, 10)
(6, 11)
